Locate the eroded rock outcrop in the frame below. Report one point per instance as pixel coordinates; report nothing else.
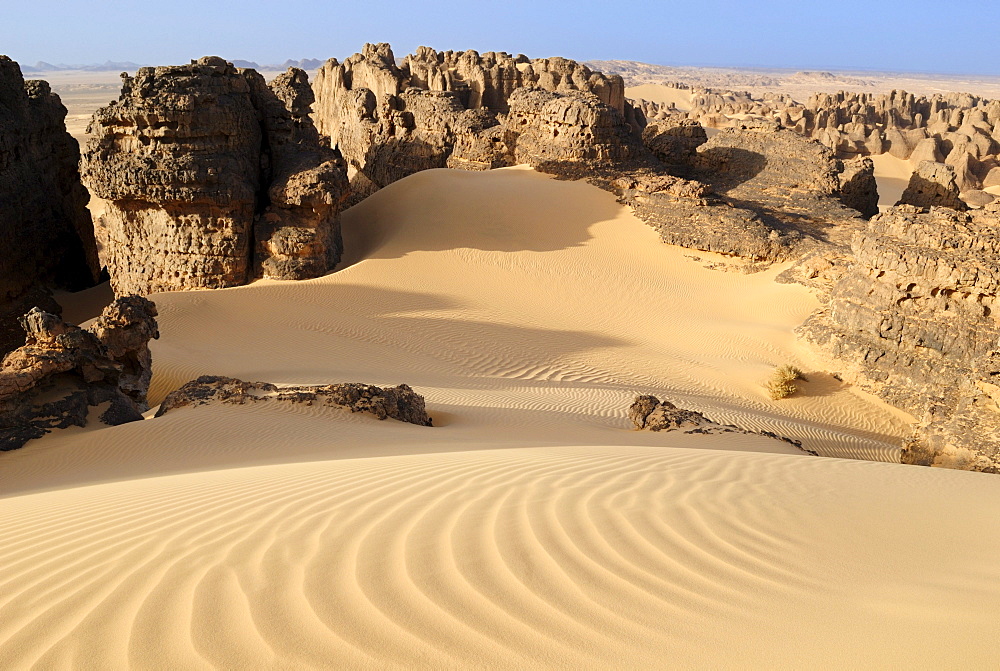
(933, 185)
(648, 413)
(778, 197)
(203, 169)
(400, 403)
(46, 227)
(912, 321)
(63, 371)
(445, 109)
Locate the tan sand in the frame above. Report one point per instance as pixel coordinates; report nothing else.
(530, 527)
(892, 175)
(665, 95)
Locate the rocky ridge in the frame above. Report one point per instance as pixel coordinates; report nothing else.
(958, 129)
(400, 403)
(912, 320)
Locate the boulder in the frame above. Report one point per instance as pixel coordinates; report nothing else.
(932, 185)
(63, 371)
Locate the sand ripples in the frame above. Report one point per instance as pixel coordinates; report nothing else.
(509, 559)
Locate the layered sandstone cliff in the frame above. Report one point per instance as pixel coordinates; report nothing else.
(913, 321)
(46, 227)
(211, 178)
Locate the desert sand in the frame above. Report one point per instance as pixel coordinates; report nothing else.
(892, 175)
(531, 527)
(665, 95)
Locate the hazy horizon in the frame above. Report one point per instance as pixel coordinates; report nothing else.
(890, 37)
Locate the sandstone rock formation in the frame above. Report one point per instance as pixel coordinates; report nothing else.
(674, 140)
(912, 321)
(954, 128)
(933, 185)
(63, 371)
(210, 178)
(779, 196)
(47, 231)
(400, 402)
(444, 109)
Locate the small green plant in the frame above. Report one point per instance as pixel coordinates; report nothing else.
(782, 382)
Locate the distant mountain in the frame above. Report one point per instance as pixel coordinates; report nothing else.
(129, 66)
(107, 66)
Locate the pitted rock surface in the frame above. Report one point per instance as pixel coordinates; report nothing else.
(63, 371)
(195, 163)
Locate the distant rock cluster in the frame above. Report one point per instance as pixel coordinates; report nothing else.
(957, 129)
(211, 178)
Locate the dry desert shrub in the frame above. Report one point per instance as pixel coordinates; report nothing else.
(782, 382)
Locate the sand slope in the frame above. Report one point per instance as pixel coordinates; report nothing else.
(665, 95)
(530, 527)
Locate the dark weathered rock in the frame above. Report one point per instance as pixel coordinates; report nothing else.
(650, 413)
(912, 321)
(62, 371)
(400, 402)
(674, 140)
(197, 161)
(933, 185)
(858, 188)
(46, 227)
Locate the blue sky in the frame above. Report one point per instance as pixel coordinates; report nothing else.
(917, 35)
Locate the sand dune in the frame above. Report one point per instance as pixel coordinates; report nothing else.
(665, 95)
(530, 527)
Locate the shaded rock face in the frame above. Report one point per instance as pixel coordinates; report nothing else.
(776, 197)
(674, 140)
(210, 179)
(62, 371)
(933, 185)
(444, 109)
(858, 188)
(913, 320)
(46, 227)
(400, 403)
